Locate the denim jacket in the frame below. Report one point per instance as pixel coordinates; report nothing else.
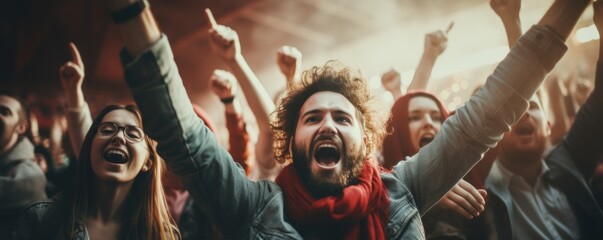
(42, 220)
(244, 209)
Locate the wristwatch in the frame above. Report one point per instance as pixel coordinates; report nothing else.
(126, 14)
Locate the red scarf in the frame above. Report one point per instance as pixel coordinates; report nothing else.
(361, 212)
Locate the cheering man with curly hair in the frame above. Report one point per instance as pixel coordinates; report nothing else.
(325, 125)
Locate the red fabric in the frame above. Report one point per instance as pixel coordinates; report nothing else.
(361, 212)
(207, 120)
(238, 138)
(397, 144)
(175, 194)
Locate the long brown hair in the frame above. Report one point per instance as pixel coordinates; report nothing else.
(145, 208)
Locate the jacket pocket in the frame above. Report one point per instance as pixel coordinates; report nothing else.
(270, 221)
(404, 221)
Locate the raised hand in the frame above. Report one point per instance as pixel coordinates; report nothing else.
(464, 199)
(72, 76)
(506, 9)
(223, 84)
(223, 40)
(225, 43)
(436, 42)
(289, 61)
(72, 72)
(392, 82)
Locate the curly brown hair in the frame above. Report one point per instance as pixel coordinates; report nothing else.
(332, 77)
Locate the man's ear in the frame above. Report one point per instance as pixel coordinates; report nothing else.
(548, 128)
(365, 140)
(22, 128)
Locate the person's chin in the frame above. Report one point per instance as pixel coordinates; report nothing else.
(528, 146)
(118, 178)
(325, 185)
(111, 173)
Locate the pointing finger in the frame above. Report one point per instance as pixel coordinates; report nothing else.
(210, 18)
(75, 55)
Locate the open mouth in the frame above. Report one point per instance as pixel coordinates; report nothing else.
(525, 130)
(327, 155)
(425, 140)
(116, 156)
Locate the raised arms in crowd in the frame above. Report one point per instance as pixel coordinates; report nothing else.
(225, 43)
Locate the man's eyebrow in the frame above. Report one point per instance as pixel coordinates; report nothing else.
(430, 111)
(315, 111)
(341, 112)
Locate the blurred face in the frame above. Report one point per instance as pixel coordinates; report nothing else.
(11, 125)
(328, 147)
(529, 136)
(424, 120)
(119, 150)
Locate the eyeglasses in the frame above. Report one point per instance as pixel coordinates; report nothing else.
(107, 130)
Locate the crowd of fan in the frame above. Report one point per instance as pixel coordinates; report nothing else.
(325, 165)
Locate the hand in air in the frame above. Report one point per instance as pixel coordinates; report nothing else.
(289, 61)
(72, 72)
(223, 40)
(223, 84)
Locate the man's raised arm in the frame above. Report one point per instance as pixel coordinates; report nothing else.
(218, 185)
(479, 124)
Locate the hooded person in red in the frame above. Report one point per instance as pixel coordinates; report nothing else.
(414, 122)
(416, 118)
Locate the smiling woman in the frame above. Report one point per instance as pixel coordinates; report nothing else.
(117, 190)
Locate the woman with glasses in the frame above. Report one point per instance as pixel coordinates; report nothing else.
(117, 191)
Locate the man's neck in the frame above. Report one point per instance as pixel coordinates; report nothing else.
(527, 167)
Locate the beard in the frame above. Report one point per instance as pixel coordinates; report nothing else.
(333, 183)
(524, 155)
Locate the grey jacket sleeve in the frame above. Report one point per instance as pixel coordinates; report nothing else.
(218, 185)
(23, 185)
(480, 123)
(78, 123)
